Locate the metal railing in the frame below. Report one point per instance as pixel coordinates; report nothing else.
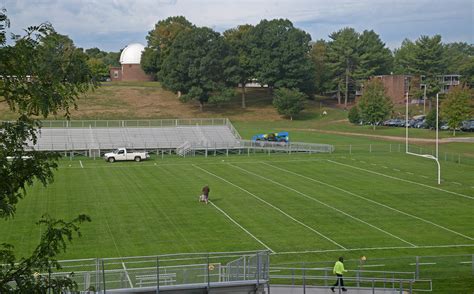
(194, 270)
(308, 277)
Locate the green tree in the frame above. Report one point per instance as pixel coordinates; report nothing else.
(375, 58)
(98, 68)
(241, 46)
(42, 73)
(160, 41)
(431, 119)
(374, 106)
(353, 115)
(322, 75)
(288, 102)
(459, 58)
(403, 56)
(196, 66)
(280, 56)
(343, 59)
(457, 107)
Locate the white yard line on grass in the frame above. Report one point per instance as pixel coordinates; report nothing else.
(423, 263)
(400, 179)
(272, 206)
(466, 262)
(375, 249)
(80, 162)
(244, 229)
(372, 201)
(126, 273)
(325, 204)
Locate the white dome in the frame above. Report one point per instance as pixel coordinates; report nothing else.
(132, 54)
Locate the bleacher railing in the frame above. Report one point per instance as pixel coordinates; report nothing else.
(195, 270)
(136, 123)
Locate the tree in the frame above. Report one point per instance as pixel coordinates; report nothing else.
(240, 43)
(457, 107)
(431, 119)
(375, 57)
(98, 69)
(288, 102)
(353, 115)
(160, 41)
(459, 58)
(280, 56)
(322, 75)
(403, 56)
(343, 59)
(196, 66)
(374, 105)
(42, 73)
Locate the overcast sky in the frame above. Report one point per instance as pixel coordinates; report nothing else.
(112, 24)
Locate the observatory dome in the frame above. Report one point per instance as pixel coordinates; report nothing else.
(132, 54)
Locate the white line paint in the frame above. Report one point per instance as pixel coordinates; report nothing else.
(373, 164)
(396, 169)
(362, 161)
(325, 204)
(384, 166)
(244, 229)
(424, 177)
(403, 180)
(376, 249)
(80, 162)
(423, 263)
(466, 262)
(273, 206)
(372, 265)
(456, 183)
(373, 201)
(126, 273)
(410, 173)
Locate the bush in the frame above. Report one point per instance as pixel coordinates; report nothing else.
(288, 102)
(353, 115)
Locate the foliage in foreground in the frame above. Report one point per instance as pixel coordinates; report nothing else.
(31, 274)
(42, 73)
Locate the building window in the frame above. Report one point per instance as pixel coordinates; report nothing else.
(116, 74)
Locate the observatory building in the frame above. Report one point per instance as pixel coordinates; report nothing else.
(130, 69)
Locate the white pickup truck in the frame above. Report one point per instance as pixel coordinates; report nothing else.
(122, 154)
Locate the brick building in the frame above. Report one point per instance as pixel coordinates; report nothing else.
(130, 69)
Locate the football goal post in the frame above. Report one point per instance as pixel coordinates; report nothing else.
(429, 156)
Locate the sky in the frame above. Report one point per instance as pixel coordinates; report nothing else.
(112, 24)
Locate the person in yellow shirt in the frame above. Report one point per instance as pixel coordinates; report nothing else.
(339, 271)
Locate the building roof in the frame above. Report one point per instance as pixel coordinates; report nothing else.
(132, 54)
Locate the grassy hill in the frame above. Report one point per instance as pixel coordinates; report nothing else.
(148, 100)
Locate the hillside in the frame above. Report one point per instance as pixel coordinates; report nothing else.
(148, 100)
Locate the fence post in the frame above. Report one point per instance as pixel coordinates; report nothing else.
(401, 287)
(157, 275)
(373, 286)
(103, 276)
(304, 280)
(417, 270)
(208, 274)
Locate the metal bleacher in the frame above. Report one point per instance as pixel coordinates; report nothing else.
(180, 136)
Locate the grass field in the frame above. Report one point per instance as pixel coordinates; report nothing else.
(302, 208)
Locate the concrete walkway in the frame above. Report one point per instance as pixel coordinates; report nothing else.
(322, 290)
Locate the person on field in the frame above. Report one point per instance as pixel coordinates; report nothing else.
(205, 194)
(339, 271)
